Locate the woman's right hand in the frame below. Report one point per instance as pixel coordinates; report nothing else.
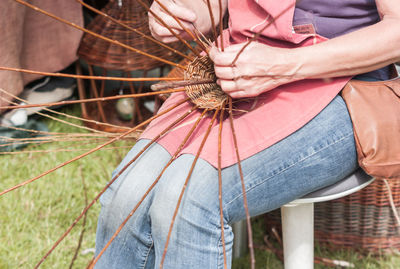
(191, 13)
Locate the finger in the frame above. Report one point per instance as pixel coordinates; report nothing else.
(228, 86)
(226, 72)
(242, 94)
(169, 39)
(180, 11)
(161, 31)
(222, 58)
(171, 22)
(213, 52)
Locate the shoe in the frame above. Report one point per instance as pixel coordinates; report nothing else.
(48, 90)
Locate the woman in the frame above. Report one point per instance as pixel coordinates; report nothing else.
(295, 138)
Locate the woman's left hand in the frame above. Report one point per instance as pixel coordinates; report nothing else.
(258, 69)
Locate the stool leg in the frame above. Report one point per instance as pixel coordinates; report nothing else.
(298, 236)
(240, 239)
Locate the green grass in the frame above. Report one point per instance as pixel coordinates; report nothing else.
(33, 217)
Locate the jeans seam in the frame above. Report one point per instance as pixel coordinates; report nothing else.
(148, 254)
(290, 166)
(219, 251)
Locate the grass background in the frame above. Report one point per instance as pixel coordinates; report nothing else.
(33, 217)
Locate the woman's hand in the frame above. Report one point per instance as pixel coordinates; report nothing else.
(191, 13)
(186, 16)
(258, 69)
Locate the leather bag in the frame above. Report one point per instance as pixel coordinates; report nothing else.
(374, 109)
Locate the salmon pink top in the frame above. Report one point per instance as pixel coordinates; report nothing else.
(262, 121)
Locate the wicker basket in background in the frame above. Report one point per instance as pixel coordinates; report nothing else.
(362, 221)
(104, 58)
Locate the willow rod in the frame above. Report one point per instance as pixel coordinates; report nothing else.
(56, 150)
(181, 25)
(105, 188)
(51, 74)
(175, 155)
(102, 99)
(85, 195)
(97, 35)
(221, 25)
(59, 133)
(51, 117)
(179, 84)
(221, 211)
(185, 185)
(257, 35)
(133, 29)
(169, 28)
(214, 30)
(55, 112)
(246, 208)
(94, 149)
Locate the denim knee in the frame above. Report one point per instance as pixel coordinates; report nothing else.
(199, 200)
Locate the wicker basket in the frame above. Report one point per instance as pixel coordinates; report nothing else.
(363, 220)
(101, 53)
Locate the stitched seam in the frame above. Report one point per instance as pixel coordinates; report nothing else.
(283, 170)
(148, 254)
(220, 254)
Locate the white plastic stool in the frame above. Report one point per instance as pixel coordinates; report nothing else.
(298, 222)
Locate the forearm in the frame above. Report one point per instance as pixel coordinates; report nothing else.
(358, 52)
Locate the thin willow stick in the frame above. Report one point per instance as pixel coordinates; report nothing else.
(136, 100)
(34, 131)
(48, 116)
(198, 42)
(185, 185)
(64, 75)
(97, 35)
(246, 208)
(257, 35)
(221, 211)
(221, 25)
(169, 28)
(175, 155)
(206, 40)
(104, 189)
(94, 149)
(214, 30)
(40, 141)
(50, 138)
(57, 150)
(90, 135)
(179, 84)
(81, 89)
(133, 30)
(25, 143)
(93, 89)
(92, 99)
(84, 220)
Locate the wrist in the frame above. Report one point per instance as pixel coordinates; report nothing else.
(287, 67)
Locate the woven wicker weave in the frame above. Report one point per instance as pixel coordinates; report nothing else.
(363, 220)
(101, 53)
(204, 95)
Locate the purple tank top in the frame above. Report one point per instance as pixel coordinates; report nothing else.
(332, 18)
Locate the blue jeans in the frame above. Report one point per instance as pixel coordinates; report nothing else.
(319, 154)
